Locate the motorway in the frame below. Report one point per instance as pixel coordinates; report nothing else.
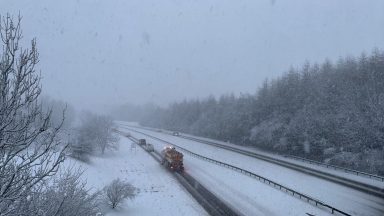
(345, 198)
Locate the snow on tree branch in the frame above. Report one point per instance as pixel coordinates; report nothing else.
(29, 148)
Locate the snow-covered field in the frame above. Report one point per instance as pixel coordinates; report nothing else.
(344, 198)
(160, 193)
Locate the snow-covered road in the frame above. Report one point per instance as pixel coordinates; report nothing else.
(160, 193)
(358, 178)
(244, 193)
(344, 198)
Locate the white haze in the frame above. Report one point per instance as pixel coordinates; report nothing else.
(95, 54)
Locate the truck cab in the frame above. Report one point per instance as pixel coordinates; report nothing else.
(172, 159)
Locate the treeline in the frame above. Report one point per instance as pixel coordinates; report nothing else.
(333, 112)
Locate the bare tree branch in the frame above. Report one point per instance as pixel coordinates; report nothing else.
(29, 148)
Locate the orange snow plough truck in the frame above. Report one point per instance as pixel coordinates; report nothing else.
(172, 159)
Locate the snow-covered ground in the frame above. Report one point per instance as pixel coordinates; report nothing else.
(344, 198)
(160, 193)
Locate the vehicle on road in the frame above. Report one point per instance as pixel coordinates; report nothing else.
(172, 159)
(149, 147)
(142, 142)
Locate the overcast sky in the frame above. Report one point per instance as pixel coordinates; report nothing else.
(96, 53)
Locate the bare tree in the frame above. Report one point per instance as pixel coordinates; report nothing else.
(96, 133)
(117, 191)
(106, 139)
(29, 148)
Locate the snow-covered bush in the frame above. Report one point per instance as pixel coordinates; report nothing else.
(64, 195)
(347, 159)
(117, 191)
(371, 161)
